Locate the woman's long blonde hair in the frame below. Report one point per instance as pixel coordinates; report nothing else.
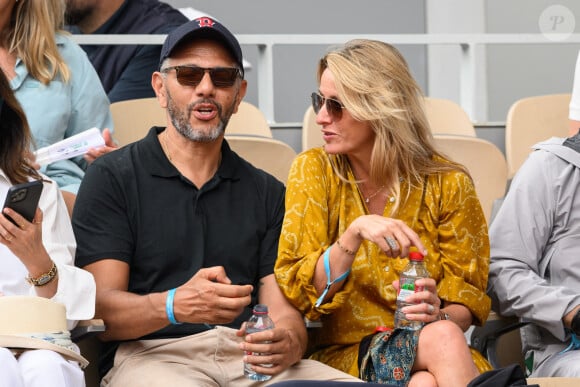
(374, 83)
(32, 37)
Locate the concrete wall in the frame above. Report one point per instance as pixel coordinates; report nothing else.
(517, 71)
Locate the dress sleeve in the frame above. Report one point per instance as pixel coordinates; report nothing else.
(76, 287)
(305, 232)
(463, 246)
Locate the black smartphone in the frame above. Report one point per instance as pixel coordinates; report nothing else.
(23, 198)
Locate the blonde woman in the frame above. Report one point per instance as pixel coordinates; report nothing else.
(356, 206)
(54, 82)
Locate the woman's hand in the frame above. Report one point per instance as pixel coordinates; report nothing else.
(24, 238)
(391, 235)
(427, 303)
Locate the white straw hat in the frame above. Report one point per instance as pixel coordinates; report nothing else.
(28, 322)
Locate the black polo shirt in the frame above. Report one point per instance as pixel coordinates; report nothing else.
(134, 206)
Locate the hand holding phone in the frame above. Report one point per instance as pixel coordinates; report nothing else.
(23, 198)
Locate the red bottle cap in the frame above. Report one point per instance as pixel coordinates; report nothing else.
(415, 256)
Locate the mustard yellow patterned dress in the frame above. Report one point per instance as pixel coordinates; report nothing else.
(446, 214)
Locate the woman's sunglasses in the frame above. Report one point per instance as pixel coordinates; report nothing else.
(192, 75)
(333, 107)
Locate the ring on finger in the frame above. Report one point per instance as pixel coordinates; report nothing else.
(392, 243)
(431, 309)
(7, 238)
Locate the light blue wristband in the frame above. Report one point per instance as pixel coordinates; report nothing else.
(169, 307)
(329, 283)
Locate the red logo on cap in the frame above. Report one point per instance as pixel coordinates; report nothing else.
(205, 21)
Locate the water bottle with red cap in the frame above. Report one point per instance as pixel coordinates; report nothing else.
(414, 270)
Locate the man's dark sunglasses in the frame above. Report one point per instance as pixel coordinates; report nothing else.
(333, 107)
(192, 75)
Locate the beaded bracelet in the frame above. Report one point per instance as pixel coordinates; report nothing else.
(349, 252)
(169, 307)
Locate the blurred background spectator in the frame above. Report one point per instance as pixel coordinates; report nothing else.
(125, 70)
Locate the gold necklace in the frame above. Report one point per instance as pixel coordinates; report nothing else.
(368, 198)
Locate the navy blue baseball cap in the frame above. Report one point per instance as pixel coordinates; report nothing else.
(202, 28)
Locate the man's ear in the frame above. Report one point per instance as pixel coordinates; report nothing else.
(159, 87)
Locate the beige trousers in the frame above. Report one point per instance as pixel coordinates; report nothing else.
(207, 359)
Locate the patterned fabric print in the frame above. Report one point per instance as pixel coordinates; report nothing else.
(390, 357)
(480, 361)
(319, 208)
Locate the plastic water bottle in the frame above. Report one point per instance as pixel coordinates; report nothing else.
(260, 321)
(414, 270)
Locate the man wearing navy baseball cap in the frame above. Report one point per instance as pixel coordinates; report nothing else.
(203, 27)
(181, 235)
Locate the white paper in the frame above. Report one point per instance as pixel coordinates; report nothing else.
(70, 147)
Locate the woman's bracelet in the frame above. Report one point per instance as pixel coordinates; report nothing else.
(349, 252)
(45, 278)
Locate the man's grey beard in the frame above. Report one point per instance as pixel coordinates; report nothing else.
(181, 121)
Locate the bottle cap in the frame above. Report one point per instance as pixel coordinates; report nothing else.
(415, 256)
(382, 329)
(260, 309)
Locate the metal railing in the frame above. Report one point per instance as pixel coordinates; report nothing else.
(470, 85)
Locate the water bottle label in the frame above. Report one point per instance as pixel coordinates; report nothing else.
(407, 287)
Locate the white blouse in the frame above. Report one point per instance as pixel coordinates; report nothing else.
(76, 287)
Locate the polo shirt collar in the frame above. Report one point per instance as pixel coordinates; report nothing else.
(158, 164)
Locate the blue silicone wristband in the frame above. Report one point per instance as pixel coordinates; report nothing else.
(169, 307)
(329, 283)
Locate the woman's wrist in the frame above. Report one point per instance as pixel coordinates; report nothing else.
(350, 240)
(345, 249)
(38, 265)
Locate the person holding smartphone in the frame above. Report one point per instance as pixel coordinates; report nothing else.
(55, 84)
(36, 254)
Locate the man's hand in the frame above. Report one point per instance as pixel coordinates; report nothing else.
(209, 297)
(278, 348)
(94, 153)
(285, 344)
